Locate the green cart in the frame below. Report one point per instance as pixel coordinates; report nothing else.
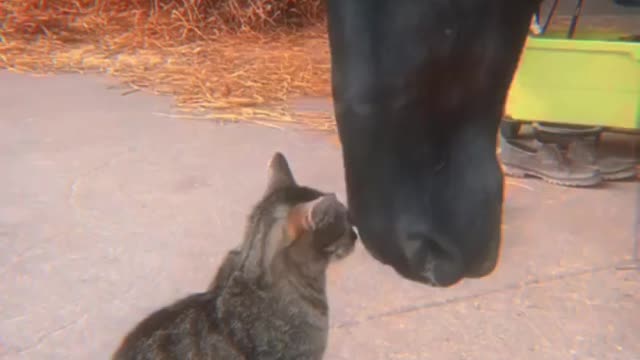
(576, 82)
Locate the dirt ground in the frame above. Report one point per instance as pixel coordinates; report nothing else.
(111, 207)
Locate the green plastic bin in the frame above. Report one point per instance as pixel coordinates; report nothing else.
(579, 82)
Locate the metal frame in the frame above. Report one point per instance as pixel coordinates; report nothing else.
(574, 19)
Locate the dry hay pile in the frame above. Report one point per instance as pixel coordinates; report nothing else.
(234, 59)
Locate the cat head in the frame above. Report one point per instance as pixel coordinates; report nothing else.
(291, 216)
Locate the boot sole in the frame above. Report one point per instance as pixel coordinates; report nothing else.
(523, 173)
(620, 175)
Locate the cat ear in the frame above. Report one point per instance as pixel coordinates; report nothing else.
(310, 215)
(279, 173)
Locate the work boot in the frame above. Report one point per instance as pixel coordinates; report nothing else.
(611, 168)
(547, 162)
(581, 145)
(564, 135)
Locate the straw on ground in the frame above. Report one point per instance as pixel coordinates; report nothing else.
(231, 59)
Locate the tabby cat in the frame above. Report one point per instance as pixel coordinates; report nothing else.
(268, 299)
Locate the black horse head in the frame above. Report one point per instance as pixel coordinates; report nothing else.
(419, 88)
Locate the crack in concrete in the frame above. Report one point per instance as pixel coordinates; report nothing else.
(16, 259)
(44, 337)
(619, 265)
(4, 270)
(77, 181)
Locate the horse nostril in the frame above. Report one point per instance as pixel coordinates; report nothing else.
(437, 251)
(441, 262)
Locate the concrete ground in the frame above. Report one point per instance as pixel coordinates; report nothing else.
(110, 208)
